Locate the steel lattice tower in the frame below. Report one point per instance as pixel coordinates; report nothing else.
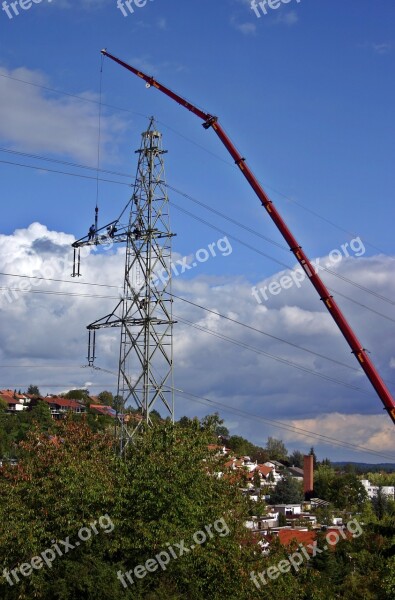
(144, 314)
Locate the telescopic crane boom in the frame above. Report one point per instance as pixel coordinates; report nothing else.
(356, 347)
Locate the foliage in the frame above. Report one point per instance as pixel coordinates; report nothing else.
(215, 425)
(33, 390)
(296, 459)
(287, 491)
(163, 492)
(380, 503)
(312, 453)
(106, 398)
(79, 394)
(276, 449)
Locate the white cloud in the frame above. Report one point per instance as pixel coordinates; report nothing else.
(36, 120)
(246, 28)
(370, 431)
(288, 18)
(162, 23)
(49, 330)
(382, 48)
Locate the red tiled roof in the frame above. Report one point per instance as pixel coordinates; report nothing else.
(103, 410)
(264, 470)
(62, 402)
(9, 397)
(286, 536)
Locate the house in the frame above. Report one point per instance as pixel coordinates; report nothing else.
(372, 490)
(15, 402)
(317, 503)
(274, 464)
(219, 450)
(101, 409)
(59, 407)
(287, 509)
(305, 537)
(296, 473)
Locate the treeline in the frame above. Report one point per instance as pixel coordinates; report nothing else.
(162, 503)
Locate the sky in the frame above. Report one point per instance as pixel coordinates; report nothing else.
(306, 93)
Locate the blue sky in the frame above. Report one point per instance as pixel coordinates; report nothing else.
(306, 93)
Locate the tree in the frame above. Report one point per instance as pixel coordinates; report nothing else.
(78, 394)
(33, 390)
(257, 480)
(117, 403)
(41, 415)
(276, 449)
(312, 453)
(296, 459)
(323, 479)
(106, 398)
(240, 446)
(287, 491)
(214, 424)
(380, 503)
(66, 482)
(347, 492)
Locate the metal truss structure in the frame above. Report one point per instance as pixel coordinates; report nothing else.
(144, 313)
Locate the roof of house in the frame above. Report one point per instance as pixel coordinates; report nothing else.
(275, 463)
(296, 471)
(103, 410)
(286, 536)
(10, 394)
(264, 470)
(62, 402)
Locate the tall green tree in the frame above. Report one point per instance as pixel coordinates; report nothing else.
(33, 390)
(296, 459)
(106, 398)
(287, 491)
(276, 449)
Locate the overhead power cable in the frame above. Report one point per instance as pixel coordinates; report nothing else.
(190, 140)
(280, 359)
(207, 223)
(286, 426)
(190, 302)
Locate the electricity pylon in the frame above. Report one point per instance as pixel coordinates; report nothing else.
(144, 313)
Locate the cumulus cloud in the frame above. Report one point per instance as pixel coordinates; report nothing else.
(255, 376)
(370, 431)
(34, 119)
(246, 28)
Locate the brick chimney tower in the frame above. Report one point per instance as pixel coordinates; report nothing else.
(308, 473)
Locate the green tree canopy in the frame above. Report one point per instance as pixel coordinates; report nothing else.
(296, 459)
(106, 398)
(287, 491)
(78, 394)
(276, 449)
(33, 390)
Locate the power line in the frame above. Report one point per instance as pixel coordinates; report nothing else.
(197, 218)
(221, 159)
(281, 425)
(273, 356)
(265, 333)
(222, 316)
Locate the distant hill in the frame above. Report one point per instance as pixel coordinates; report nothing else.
(366, 466)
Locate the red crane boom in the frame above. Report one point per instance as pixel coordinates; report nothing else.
(356, 347)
